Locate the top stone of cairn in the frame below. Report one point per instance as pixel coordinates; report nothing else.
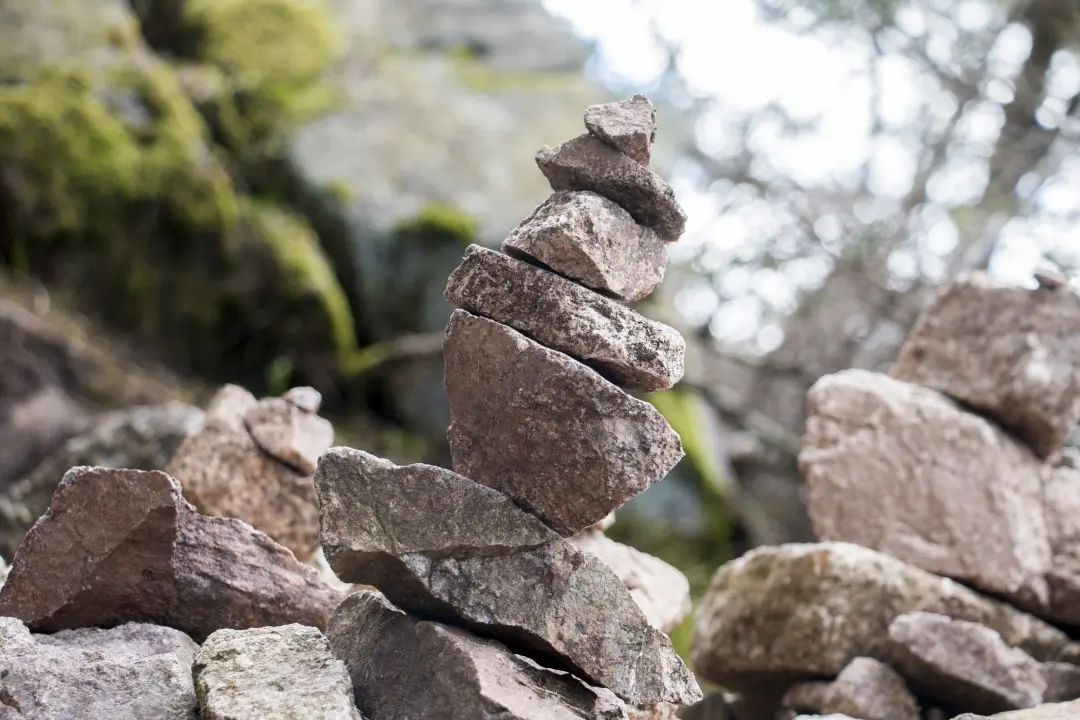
(628, 126)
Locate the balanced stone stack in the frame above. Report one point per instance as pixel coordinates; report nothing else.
(507, 615)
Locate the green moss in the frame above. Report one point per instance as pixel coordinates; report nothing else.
(438, 225)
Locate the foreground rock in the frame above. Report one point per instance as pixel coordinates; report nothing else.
(660, 590)
(901, 469)
(1010, 352)
(964, 665)
(629, 126)
(588, 163)
(628, 349)
(804, 611)
(253, 460)
(123, 545)
(129, 672)
(445, 548)
(593, 241)
(138, 438)
(404, 668)
(552, 434)
(272, 673)
(1050, 711)
(865, 689)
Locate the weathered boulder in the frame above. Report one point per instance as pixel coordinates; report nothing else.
(402, 668)
(593, 241)
(253, 460)
(804, 611)
(866, 689)
(1062, 502)
(623, 346)
(1009, 352)
(123, 545)
(629, 126)
(445, 548)
(138, 438)
(660, 590)
(588, 163)
(901, 469)
(272, 672)
(129, 672)
(555, 436)
(963, 666)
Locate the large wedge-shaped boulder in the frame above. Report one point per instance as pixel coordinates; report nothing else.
(627, 348)
(592, 241)
(444, 548)
(629, 126)
(588, 163)
(901, 469)
(804, 611)
(123, 545)
(1010, 352)
(554, 435)
(405, 668)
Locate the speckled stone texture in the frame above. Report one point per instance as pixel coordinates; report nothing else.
(1011, 353)
(588, 163)
(901, 469)
(593, 241)
(622, 345)
(867, 689)
(629, 126)
(554, 435)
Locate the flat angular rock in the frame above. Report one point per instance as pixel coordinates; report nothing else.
(623, 346)
(866, 689)
(588, 163)
(901, 469)
(122, 545)
(1010, 352)
(804, 611)
(963, 665)
(261, 476)
(272, 673)
(554, 435)
(593, 241)
(629, 126)
(306, 398)
(404, 668)
(660, 590)
(129, 672)
(447, 549)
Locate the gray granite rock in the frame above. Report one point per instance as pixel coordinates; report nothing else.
(866, 689)
(404, 668)
(1049, 711)
(554, 435)
(444, 548)
(629, 126)
(289, 433)
(588, 163)
(130, 672)
(622, 345)
(272, 673)
(306, 398)
(593, 241)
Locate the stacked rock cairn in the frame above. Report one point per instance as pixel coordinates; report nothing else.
(478, 564)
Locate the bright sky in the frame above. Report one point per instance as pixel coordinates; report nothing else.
(731, 55)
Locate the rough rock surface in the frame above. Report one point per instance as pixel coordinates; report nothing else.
(1050, 711)
(227, 471)
(629, 126)
(593, 241)
(138, 438)
(554, 435)
(866, 689)
(123, 545)
(1010, 352)
(403, 668)
(272, 673)
(1062, 682)
(1062, 502)
(477, 561)
(964, 666)
(588, 163)
(901, 469)
(660, 590)
(627, 348)
(130, 672)
(804, 611)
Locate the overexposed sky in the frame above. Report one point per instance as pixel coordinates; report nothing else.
(747, 65)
